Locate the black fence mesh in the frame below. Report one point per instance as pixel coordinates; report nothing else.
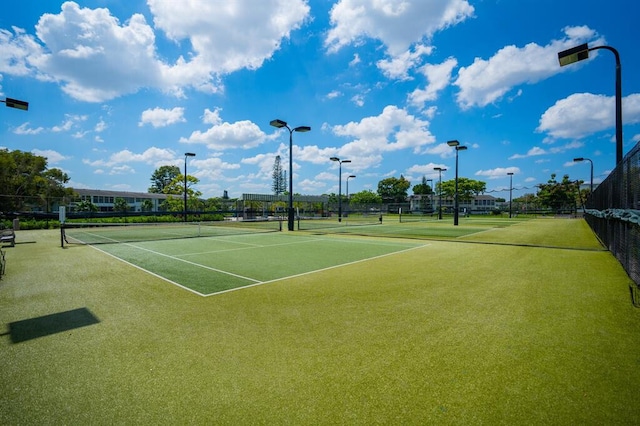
(613, 212)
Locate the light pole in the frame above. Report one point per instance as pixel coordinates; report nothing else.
(280, 124)
(348, 203)
(440, 170)
(430, 195)
(339, 184)
(580, 53)
(458, 147)
(586, 159)
(510, 191)
(14, 103)
(186, 154)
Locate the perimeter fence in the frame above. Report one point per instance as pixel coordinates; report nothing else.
(613, 212)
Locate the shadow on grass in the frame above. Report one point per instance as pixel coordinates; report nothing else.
(21, 331)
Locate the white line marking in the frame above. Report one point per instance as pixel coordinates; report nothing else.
(315, 271)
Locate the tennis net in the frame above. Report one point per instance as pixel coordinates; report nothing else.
(113, 233)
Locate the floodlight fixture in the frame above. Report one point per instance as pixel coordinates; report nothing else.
(280, 124)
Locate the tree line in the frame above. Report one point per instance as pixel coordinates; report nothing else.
(27, 183)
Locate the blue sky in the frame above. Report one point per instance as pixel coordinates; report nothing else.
(118, 88)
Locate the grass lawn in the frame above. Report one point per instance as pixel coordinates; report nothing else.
(448, 333)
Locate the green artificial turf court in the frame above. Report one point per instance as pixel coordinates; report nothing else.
(441, 331)
(213, 264)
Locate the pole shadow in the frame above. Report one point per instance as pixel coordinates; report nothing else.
(33, 328)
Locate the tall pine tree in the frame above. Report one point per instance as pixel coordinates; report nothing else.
(279, 185)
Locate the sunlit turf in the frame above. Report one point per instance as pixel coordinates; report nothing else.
(451, 333)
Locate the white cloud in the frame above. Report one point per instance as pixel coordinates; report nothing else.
(393, 130)
(397, 24)
(159, 117)
(438, 76)
(398, 66)
(95, 57)
(222, 135)
(24, 129)
(53, 157)
(498, 172)
(153, 155)
(486, 81)
(535, 151)
(583, 114)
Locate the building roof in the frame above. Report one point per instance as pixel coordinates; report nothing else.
(121, 194)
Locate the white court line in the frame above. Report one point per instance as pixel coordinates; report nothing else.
(193, 263)
(315, 271)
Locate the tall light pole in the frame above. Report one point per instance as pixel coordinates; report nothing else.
(510, 191)
(348, 203)
(580, 53)
(14, 103)
(186, 154)
(458, 147)
(280, 124)
(431, 195)
(586, 159)
(339, 184)
(440, 170)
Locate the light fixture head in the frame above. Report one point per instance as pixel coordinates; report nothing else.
(453, 143)
(334, 159)
(15, 103)
(578, 159)
(302, 129)
(510, 173)
(189, 154)
(461, 148)
(574, 54)
(351, 176)
(345, 161)
(278, 123)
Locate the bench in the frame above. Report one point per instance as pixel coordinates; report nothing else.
(7, 236)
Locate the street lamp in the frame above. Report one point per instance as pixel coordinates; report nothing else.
(430, 195)
(348, 203)
(14, 103)
(580, 53)
(510, 191)
(440, 170)
(586, 159)
(339, 185)
(456, 145)
(280, 124)
(186, 154)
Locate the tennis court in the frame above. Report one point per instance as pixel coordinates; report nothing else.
(215, 264)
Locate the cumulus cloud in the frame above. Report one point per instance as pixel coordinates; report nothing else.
(583, 114)
(488, 80)
(159, 117)
(24, 129)
(396, 24)
(53, 157)
(498, 172)
(223, 135)
(95, 57)
(153, 156)
(438, 76)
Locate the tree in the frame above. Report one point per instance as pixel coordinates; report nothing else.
(86, 206)
(365, 197)
(467, 188)
(279, 185)
(393, 190)
(422, 188)
(162, 177)
(559, 196)
(120, 205)
(25, 179)
(176, 187)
